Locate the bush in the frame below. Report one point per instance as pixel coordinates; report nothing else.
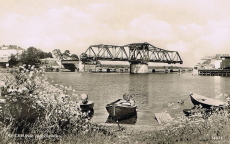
(195, 129)
(34, 106)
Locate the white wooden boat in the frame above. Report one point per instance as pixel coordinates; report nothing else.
(205, 101)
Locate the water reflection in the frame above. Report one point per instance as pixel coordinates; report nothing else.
(131, 120)
(139, 89)
(217, 84)
(153, 92)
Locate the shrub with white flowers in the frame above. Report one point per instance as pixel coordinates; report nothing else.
(35, 106)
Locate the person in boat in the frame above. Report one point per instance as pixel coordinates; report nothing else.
(128, 100)
(84, 99)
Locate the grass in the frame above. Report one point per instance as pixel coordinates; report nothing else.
(215, 129)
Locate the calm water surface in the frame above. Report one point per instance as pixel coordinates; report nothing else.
(157, 92)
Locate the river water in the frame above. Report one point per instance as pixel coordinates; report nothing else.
(154, 92)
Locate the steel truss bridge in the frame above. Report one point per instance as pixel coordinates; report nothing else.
(134, 53)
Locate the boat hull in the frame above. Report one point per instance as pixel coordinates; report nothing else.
(205, 102)
(119, 112)
(88, 106)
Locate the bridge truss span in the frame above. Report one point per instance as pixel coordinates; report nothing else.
(135, 52)
(107, 52)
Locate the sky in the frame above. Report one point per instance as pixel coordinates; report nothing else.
(193, 28)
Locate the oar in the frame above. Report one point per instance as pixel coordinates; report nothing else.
(114, 102)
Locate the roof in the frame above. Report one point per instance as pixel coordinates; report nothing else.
(6, 47)
(227, 57)
(53, 63)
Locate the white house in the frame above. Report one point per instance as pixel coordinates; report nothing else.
(218, 64)
(7, 51)
(52, 62)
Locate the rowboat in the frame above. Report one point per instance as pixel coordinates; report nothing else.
(120, 109)
(88, 106)
(206, 102)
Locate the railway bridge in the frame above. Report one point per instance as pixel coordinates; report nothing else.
(138, 55)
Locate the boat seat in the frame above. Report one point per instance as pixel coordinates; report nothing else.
(125, 103)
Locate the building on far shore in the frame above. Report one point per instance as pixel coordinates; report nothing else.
(51, 64)
(6, 51)
(104, 68)
(225, 63)
(115, 67)
(213, 62)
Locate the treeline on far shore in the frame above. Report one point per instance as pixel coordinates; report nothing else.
(33, 56)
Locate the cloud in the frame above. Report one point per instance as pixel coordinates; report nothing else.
(189, 32)
(10, 20)
(146, 27)
(194, 28)
(180, 46)
(217, 34)
(96, 7)
(55, 28)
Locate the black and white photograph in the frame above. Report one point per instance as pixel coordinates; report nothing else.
(114, 72)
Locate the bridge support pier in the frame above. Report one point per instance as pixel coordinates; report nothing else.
(138, 67)
(81, 66)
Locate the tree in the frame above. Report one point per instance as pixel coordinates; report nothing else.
(74, 57)
(30, 56)
(43, 55)
(83, 57)
(33, 55)
(48, 55)
(57, 54)
(13, 60)
(66, 54)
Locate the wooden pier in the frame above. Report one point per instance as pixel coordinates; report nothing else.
(163, 117)
(214, 72)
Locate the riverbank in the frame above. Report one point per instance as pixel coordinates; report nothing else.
(126, 135)
(60, 121)
(194, 132)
